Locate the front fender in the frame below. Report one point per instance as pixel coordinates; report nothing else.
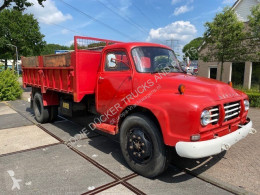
(178, 115)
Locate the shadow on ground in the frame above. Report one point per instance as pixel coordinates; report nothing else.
(174, 174)
(110, 146)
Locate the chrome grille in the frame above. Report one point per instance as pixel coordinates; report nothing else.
(232, 110)
(214, 115)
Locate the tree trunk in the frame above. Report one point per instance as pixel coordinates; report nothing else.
(6, 64)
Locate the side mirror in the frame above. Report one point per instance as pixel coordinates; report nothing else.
(111, 60)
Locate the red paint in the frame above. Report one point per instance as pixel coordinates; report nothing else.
(178, 114)
(110, 129)
(50, 98)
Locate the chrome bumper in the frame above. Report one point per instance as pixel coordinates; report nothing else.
(214, 146)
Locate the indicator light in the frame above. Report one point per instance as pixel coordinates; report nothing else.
(181, 89)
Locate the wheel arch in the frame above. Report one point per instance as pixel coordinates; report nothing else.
(35, 90)
(50, 98)
(161, 157)
(142, 110)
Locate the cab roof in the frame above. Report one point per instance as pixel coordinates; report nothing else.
(131, 45)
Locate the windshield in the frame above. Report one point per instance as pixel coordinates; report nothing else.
(155, 59)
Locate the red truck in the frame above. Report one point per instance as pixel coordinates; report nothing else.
(139, 91)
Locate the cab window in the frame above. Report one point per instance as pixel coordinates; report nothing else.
(116, 61)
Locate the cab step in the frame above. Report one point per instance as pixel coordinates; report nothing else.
(107, 128)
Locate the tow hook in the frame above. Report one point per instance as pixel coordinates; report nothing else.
(225, 147)
(253, 131)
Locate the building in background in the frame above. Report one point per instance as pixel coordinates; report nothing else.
(242, 73)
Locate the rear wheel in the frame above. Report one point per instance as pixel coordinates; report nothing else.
(142, 145)
(42, 113)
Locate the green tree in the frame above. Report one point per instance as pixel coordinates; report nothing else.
(224, 38)
(21, 30)
(19, 5)
(254, 25)
(254, 21)
(191, 49)
(91, 45)
(50, 48)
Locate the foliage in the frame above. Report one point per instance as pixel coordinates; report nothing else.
(99, 44)
(191, 49)
(50, 48)
(253, 94)
(254, 21)
(224, 38)
(254, 24)
(254, 99)
(19, 5)
(21, 30)
(91, 45)
(72, 47)
(9, 86)
(254, 89)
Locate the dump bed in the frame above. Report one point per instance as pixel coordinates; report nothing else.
(73, 72)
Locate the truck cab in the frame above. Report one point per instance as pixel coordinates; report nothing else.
(141, 92)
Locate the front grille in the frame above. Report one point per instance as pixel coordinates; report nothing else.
(214, 115)
(232, 110)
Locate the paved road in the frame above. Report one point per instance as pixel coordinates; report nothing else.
(238, 168)
(36, 158)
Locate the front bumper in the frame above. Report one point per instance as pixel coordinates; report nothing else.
(214, 146)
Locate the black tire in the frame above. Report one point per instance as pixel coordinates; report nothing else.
(53, 113)
(142, 146)
(42, 113)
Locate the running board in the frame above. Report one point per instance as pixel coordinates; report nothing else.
(107, 128)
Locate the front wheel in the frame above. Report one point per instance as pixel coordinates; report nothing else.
(142, 145)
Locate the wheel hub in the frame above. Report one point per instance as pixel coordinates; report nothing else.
(139, 146)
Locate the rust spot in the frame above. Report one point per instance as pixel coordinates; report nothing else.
(30, 61)
(57, 60)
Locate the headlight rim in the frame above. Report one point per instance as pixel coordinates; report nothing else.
(204, 113)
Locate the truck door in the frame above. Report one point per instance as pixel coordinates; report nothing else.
(114, 82)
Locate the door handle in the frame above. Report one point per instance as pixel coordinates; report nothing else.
(101, 78)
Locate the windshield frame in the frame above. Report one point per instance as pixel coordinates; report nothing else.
(177, 62)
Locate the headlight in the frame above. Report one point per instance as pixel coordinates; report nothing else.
(246, 103)
(205, 118)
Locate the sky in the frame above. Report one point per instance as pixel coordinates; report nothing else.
(126, 20)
